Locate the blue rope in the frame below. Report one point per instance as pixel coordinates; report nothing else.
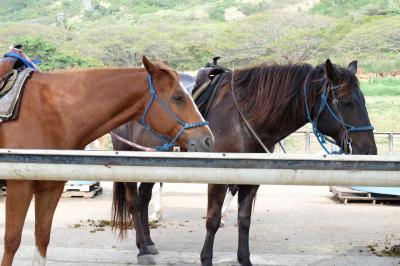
(170, 145)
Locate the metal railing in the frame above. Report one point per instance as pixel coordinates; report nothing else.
(219, 168)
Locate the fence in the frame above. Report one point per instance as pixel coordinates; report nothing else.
(221, 168)
(388, 143)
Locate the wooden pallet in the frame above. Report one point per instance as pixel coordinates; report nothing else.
(347, 195)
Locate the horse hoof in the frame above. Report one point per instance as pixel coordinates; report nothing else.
(153, 250)
(206, 263)
(246, 263)
(146, 260)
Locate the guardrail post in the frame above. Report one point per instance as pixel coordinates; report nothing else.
(391, 143)
(307, 146)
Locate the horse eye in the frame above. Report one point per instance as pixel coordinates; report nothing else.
(177, 98)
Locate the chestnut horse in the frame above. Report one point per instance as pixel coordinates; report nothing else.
(277, 100)
(68, 110)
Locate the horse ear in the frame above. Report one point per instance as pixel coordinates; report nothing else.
(151, 68)
(353, 67)
(330, 70)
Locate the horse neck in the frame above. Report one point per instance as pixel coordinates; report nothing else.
(93, 102)
(271, 136)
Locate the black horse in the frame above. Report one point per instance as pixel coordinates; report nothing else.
(275, 101)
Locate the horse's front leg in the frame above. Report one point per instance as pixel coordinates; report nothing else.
(46, 200)
(145, 190)
(216, 195)
(245, 199)
(145, 257)
(19, 196)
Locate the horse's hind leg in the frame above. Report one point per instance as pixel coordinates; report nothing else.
(19, 196)
(46, 199)
(145, 256)
(145, 191)
(246, 196)
(230, 194)
(156, 195)
(216, 195)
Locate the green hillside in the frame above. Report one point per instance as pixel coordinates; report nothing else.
(187, 33)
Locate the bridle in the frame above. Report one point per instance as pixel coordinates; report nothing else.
(171, 141)
(329, 89)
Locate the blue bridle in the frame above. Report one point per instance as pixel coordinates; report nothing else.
(322, 138)
(172, 141)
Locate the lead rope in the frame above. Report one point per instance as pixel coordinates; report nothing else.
(130, 143)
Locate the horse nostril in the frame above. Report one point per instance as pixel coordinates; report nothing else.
(209, 142)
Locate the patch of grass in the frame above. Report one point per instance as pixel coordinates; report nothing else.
(384, 112)
(381, 87)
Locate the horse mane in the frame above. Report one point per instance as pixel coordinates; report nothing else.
(275, 92)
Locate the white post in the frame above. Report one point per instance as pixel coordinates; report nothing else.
(391, 143)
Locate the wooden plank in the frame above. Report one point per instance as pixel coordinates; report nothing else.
(347, 195)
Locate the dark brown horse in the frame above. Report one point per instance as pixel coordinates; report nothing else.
(273, 98)
(68, 110)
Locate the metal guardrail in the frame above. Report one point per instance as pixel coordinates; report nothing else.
(220, 168)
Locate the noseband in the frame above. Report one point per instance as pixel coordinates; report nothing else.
(345, 145)
(172, 141)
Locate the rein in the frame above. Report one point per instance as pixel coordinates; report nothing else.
(142, 121)
(345, 145)
(246, 122)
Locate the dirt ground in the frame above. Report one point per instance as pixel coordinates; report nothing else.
(291, 225)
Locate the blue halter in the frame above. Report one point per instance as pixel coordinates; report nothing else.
(172, 141)
(322, 139)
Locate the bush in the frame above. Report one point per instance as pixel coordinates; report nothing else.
(51, 57)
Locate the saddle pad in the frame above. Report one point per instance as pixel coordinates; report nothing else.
(8, 102)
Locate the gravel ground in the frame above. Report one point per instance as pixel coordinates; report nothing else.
(292, 225)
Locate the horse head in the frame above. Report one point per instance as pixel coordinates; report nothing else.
(340, 110)
(168, 98)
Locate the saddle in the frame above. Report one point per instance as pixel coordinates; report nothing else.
(208, 79)
(6, 68)
(15, 69)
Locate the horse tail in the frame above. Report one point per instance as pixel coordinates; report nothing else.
(121, 218)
